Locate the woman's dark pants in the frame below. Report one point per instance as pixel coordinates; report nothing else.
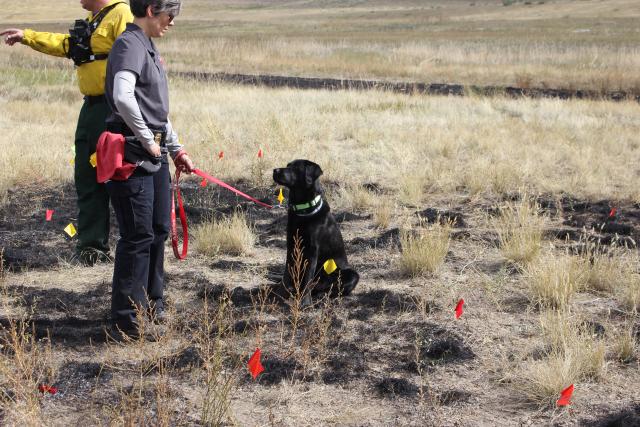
(142, 206)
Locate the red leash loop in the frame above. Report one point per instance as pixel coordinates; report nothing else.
(183, 216)
(183, 221)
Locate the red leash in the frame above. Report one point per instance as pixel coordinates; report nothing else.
(183, 215)
(228, 187)
(183, 221)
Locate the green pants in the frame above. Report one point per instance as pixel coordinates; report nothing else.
(93, 200)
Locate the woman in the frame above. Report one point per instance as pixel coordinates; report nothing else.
(137, 91)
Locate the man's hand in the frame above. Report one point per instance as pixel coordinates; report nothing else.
(154, 149)
(183, 163)
(12, 36)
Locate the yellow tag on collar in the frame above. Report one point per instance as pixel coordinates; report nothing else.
(330, 266)
(93, 159)
(280, 197)
(70, 230)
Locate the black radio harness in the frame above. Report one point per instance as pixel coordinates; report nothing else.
(80, 38)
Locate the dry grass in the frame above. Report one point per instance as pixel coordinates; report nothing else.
(609, 268)
(214, 340)
(354, 198)
(520, 227)
(572, 354)
(383, 212)
(625, 345)
(630, 296)
(468, 144)
(424, 250)
(553, 279)
(419, 150)
(434, 41)
(26, 363)
(229, 235)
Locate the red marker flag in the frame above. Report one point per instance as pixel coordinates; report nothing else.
(203, 183)
(49, 214)
(565, 396)
(44, 388)
(459, 310)
(613, 212)
(260, 153)
(254, 365)
(221, 155)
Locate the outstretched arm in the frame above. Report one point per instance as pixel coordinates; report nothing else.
(55, 44)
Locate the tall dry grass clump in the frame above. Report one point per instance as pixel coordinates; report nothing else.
(412, 187)
(25, 365)
(424, 250)
(230, 235)
(382, 213)
(625, 344)
(213, 336)
(572, 353)
(520, 227)
(552, 280)
(630, 296)
(609, 269)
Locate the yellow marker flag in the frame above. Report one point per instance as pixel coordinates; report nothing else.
(280, 197)
(93, 159)
(70, 230)
(330, 266)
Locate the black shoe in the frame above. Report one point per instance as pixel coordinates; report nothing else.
(89, 257)
(151, 332)
(159, 316)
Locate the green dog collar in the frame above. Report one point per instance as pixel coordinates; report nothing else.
(307, 205)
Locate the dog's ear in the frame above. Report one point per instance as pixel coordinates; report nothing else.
(311, 173)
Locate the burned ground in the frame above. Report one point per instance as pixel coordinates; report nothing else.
(386, 347)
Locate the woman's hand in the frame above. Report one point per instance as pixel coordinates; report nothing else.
(183, 162)
(154, 149)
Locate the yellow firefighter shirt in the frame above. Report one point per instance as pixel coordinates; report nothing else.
(92, 74)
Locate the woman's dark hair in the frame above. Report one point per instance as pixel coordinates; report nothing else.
(139, 7)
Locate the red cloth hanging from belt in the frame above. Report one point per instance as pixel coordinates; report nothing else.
(110, 158)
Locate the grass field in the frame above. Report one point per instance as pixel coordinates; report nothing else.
(529, 210)
(575, 44)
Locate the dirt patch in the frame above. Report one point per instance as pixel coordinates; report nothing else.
(453, 217)
(80, 377)
(364, 305)
(277, 369)
(392, 388)
(439, 346)
(403, 87)
(628, 417)
(608, 221)
(388, 238)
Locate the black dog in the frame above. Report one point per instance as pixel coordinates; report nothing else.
(310, 219)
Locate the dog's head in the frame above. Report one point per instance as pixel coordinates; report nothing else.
(299, 176)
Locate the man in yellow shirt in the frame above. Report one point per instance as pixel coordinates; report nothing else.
(87, 44)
